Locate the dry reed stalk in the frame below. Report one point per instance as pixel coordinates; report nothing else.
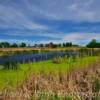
(75, 82)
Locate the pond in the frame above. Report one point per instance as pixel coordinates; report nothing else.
(31, 57)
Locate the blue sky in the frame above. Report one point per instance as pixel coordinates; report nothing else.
(43, 21)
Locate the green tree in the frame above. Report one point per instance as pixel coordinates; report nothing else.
(93, 44)
(4, 45)
(14, 45)
(23, 44)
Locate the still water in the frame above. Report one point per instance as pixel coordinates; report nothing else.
(31, 57)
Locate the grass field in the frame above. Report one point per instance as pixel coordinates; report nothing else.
(15, 77)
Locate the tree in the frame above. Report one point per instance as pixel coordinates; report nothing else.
(59, 45)
(23, 44)
(4, 45)
(68, 44)
(64, 45)
(41, 45)
(14, 45)
(92, 43)
(98, 45)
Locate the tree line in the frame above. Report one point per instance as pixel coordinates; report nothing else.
(92, 44)
(54, 45)
(11, 45)
(49, 45)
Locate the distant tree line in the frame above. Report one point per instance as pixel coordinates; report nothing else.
(49, 45)
(11, 45)
(54, 45)
(93, 44)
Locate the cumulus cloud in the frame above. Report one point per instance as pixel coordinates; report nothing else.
(77, 10)
(80, 10)
(77, 37)
(13, 18)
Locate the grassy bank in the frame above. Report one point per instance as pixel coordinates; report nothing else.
(7, 51)
(15, 77)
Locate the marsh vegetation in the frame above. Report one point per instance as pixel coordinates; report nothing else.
(54, 79)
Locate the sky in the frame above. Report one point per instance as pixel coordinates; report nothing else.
(44, 21)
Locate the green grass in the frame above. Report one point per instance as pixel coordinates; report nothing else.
(65, 65)
(14, 77)
(52, 97)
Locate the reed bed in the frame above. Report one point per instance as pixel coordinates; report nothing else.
(62, 78)
(80, 84)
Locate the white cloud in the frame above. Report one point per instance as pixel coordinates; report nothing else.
(75, 37)
(14, 18)
(76, 10)
(18, 14)
(53, 35)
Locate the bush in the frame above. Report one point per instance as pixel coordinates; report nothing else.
(57, 60)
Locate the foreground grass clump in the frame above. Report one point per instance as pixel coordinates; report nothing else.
(15, 77)
(44, 96)
(11, 65)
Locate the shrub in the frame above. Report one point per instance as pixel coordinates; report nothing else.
(57, 60)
